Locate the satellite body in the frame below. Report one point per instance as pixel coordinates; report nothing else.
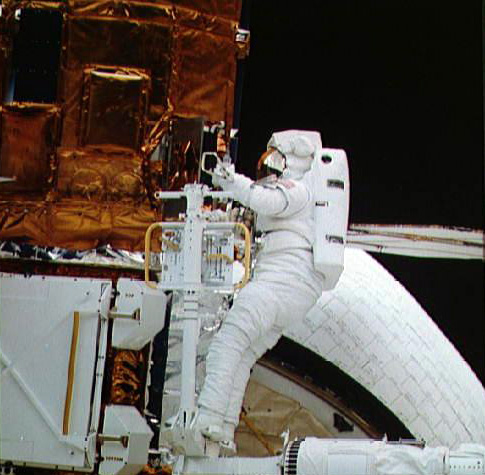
(88, 90)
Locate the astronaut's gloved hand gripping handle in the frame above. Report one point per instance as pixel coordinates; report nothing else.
(222, 170)
(224, 176)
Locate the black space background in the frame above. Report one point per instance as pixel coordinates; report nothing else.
(398, 85)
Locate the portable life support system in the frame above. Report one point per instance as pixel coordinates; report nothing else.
(329, 180)
(331, 193)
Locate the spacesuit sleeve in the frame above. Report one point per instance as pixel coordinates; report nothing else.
(279, 200)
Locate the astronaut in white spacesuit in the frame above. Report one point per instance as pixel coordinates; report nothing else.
(284, 287)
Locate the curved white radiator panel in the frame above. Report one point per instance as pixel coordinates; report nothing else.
(372, 328)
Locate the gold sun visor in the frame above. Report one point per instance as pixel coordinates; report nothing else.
(270, 162)
(135, 85)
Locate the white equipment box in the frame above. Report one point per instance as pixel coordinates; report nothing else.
(52, 344)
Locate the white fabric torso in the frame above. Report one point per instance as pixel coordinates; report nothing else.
(296, 219)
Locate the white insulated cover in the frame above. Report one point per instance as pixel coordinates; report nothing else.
(331, 187)
(136, 297)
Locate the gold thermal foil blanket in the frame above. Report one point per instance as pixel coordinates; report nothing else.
(114, 107)
(227, 9)
(113, 42)
(28, 135)
(216, 25)
(127, 377)
(3, 59)
(224, 9)
(94, 225)
(100, 176)
(83, 167)
(75, 224)
(26, 221)
(204, 84)
(271, 414)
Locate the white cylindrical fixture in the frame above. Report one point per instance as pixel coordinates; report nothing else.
(313, 456)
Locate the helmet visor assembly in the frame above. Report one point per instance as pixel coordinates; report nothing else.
(270, 162)
(288, 146)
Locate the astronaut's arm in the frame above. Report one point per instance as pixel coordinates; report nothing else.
(277, 201)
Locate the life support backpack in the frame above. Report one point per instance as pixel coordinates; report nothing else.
(331, 185)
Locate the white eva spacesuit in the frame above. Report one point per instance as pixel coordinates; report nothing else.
(284, 287)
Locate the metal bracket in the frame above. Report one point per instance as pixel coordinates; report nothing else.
(130, 316)
(122, 439)
(242, 42)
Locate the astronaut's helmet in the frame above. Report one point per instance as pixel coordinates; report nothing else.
(290, 149)
(271, 162)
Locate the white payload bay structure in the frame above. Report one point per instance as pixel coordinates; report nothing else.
(55, 335)
(54, 339)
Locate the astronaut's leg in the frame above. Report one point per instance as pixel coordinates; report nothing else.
(241, 377)
(248, 320)
(293, 303)
(284, 289)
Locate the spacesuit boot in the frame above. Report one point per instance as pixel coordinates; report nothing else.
(209, 424)
(227, 445)
(214, 428)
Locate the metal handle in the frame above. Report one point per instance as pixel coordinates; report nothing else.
(148, 241)
(122, 439)
(71, 374)
(202, 162)
(247, 255)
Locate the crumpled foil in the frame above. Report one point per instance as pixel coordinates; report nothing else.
(85, 178)
(127, 377)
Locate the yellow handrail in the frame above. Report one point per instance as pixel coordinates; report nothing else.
(212, 257)
(148, 240)
(71, 374)
(247, 255)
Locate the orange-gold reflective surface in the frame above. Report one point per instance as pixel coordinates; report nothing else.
(127, 377)
(230, 9)
(114, 107)
(3, 57)
(27, 221)
(78, 225)
(28, 140)
(73, 224)
(96, 175)
(163, 470)
(216, 25)
(112, 41)
(225, 9)
(130, 73)
(205, 84)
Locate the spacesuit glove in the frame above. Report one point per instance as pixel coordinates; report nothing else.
(240, 186)
(223, 173)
